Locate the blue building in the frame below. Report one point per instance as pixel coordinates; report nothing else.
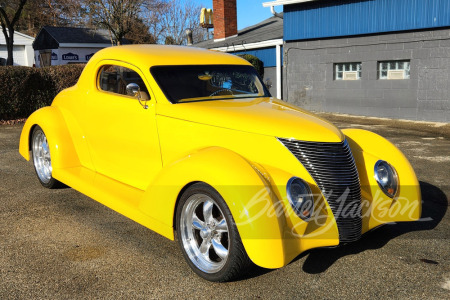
(383, 58)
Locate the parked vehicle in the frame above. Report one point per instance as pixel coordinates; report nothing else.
(189, 142)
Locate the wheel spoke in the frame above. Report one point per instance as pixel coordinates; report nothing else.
(197, 223)
(207, 211)
(204, 247)
(222, 226)
(220, 250)
(41, 157)
(204, 235)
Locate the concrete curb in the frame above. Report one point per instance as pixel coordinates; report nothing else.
(435, 128)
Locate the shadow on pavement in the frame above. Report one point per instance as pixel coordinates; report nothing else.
(434, 208)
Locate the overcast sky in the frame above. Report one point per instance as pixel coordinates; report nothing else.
(249, 12)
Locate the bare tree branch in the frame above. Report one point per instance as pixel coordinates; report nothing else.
(8, 21)
(117, 16)
(169, 19)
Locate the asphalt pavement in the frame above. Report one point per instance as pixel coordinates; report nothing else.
(60, 244)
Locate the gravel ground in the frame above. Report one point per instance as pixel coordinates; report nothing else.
(59, 244)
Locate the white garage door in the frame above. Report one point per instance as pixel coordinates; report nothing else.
(18, 55)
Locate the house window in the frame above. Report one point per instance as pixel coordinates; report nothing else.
(393, 69)
(347, 71)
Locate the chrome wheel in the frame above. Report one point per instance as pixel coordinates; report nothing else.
(41, 157)
(204, 233)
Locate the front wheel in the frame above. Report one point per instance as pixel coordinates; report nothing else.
(208, 236)
(41, 159)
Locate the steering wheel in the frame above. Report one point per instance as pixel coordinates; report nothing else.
(221, 90)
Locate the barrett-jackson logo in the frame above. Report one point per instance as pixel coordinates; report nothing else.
(70, 56)
(88, 57)
(54, 56)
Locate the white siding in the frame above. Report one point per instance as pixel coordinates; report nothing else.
(19, 39)
(22, 52)
(81, 52)
(19, 55)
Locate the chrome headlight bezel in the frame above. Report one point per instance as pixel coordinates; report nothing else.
(305, 207)
(388, 185)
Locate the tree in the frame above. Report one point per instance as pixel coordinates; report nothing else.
(255, 61)
(168, 21)
(39, 13)
(10, 12)
(139, 33)
(117, 16)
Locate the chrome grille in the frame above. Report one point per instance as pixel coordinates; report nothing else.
(333, 168)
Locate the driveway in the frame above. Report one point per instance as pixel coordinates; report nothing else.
(59, 244)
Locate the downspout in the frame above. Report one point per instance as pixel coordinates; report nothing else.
(278, 58)
(272, 10)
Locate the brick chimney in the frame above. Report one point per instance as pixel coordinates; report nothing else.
(225, 18)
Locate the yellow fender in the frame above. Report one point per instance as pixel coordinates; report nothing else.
(51, 121)
(377, 208)
(244, 190)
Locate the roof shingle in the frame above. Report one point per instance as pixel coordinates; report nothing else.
(269, 29)
(79, 35)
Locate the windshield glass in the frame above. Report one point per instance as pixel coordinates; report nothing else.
(208, 82)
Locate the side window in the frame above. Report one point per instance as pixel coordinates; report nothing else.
(394, 69)
(347, 71)
(115, 79)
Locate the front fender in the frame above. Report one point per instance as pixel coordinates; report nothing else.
(377, 208)
(51, 121)
(245, 191)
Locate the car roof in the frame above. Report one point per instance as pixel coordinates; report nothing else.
(146, 56)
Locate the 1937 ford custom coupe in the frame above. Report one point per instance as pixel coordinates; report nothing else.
(189, 141)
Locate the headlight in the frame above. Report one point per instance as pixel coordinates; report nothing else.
(300, 197)
(386, 176)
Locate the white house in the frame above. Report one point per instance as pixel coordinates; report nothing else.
(66, 45)
(23, 53)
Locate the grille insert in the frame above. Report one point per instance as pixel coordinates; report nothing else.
(333, 168)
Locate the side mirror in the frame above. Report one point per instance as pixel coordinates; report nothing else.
(134, 90)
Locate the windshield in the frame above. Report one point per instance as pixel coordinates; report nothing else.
(208, 82)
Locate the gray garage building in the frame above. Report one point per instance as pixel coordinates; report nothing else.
(384, 58)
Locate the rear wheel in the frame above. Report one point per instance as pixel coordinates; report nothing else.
(41, 159)
(208, 236)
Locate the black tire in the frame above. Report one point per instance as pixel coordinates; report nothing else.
(236, 262)
(45, 178)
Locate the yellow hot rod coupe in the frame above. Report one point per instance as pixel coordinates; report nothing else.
(189, 142)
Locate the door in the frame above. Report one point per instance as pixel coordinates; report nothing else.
(121, 133)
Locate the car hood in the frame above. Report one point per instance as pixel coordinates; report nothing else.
(268, 116)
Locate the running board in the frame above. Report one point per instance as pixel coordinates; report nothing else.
(119, 197)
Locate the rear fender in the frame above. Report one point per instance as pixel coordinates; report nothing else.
(62, 150)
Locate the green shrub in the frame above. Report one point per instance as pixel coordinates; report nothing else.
(24, 90)
(256, 62)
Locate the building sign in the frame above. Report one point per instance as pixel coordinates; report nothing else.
(70, 56)
(88, 57)
(54, 56)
